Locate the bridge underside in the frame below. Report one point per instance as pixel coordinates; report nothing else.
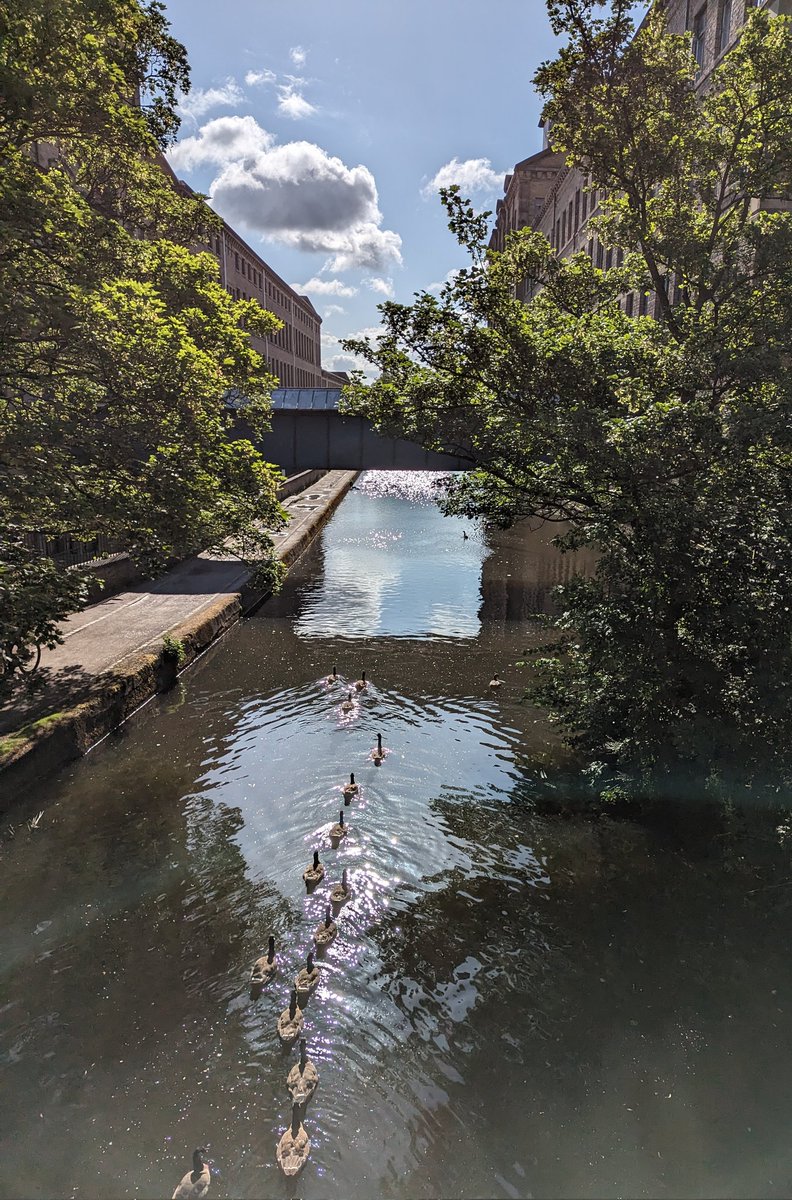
(323, 440)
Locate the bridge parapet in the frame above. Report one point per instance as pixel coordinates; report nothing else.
(308, 432)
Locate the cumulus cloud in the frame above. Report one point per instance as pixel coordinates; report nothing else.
(333, 310)
(326, 287)
(295, 193)
(335, 358)
(298, 56)
(472, 175)
(383, 286)
(199, 101)
(260, 78)
(223, 140)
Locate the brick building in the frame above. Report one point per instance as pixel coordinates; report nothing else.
(715, 27)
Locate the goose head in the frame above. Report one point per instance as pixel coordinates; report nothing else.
(309, 962)
(316, 860)
(271, 949)
(198, 1160)
(292, 1004)
(344, 883)
(328, 919)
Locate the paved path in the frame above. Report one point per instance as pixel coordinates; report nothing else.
(104, 635)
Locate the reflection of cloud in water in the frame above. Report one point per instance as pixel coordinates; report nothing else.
(394, 568)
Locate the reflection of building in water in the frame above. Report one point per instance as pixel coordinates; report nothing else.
(519, 576)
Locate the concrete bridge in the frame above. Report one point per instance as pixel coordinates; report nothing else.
(308, 433)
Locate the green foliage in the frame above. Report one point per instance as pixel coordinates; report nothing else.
(663, 443)
(118, 343)
(34, 596)
(269, 577)
(173, 649)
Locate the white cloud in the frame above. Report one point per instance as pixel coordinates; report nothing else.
(223, 140)
(437, 287)
(472, 175)
(259, 78)
(383, 286)
(295, 193)
(326, 287)
(292, 103)
(200, 100)
(298, 56)
(333, 310)
(335, 358)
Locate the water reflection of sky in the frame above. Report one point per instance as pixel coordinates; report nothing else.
(393, 567)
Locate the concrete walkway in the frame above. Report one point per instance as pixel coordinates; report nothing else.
(111, 659)
(101, 636)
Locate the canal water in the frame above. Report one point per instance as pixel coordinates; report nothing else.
(516, 1005)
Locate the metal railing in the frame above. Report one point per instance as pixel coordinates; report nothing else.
(69, 551)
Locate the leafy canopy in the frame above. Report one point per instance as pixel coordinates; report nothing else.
(117, 342)
(662, 441)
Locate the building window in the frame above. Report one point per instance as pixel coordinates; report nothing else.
(628, 304)
(600, 254)
(724, 32)
(643, 307)
(577, 209)
(699, 34)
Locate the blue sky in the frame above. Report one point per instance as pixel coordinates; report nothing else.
(316, 126)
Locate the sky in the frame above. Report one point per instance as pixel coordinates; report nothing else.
(321, 129)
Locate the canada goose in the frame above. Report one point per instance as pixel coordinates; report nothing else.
(306, 980)
(348, 704)
(325, 931)
(303, 1078)
(264, 968)
(290, 1022)
(378, 754)
(362, 683)
(350, 789)
(342, 891)
(337, 831)
(330, 679)
(312, 875)
(495, 682)
(195, 1183)
(294, 1147)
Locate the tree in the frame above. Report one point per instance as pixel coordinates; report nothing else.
(664, 443)
(118, 345)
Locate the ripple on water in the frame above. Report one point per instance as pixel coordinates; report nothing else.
(511, 1006)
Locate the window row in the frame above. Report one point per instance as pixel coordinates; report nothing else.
(574, 216)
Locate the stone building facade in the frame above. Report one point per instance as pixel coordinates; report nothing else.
(525, 195)
(569, 204)
(294, 354)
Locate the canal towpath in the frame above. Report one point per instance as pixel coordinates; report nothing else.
(111, 658)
